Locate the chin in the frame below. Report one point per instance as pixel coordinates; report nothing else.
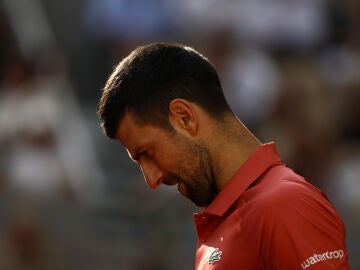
(202, 201)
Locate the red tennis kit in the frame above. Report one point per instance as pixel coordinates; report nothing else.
(268, 217)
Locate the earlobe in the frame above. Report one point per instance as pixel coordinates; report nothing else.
(182, 116)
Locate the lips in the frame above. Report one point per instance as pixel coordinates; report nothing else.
(182, 188)
(170, 181)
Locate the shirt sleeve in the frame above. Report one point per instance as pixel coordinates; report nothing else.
(300, 229)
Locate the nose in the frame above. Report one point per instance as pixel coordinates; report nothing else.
(152, 174)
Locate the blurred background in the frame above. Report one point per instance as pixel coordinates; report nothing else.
(70, 199)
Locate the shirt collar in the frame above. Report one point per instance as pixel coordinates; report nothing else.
(264, 157)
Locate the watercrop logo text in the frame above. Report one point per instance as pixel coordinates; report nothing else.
(328, 255)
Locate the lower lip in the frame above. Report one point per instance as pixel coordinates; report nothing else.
(182, 189)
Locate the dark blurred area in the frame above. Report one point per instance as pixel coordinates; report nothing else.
(71, 199)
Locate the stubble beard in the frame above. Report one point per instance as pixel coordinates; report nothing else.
(196, 172)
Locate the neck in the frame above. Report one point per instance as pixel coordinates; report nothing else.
(232, 148)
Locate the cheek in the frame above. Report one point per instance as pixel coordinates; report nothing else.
(171, 163)
(167, 158)
(186, 166)
(175, 156)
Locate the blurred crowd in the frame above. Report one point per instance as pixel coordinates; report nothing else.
(71, 199)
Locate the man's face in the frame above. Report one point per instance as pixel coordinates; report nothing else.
(170, 158)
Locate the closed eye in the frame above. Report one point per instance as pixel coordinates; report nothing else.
(145, 154)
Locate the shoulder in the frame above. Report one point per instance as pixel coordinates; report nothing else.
(282, 187)
(281, 212)
(285, 197)
(291, 206)
(284, 192)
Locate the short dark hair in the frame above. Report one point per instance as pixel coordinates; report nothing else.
(145, 82)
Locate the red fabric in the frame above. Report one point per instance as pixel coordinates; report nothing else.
(268, 217)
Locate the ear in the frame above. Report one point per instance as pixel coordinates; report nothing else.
(183, 116)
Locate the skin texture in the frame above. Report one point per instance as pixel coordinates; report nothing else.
(200, 155)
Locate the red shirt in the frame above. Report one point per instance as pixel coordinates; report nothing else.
(268, 217)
